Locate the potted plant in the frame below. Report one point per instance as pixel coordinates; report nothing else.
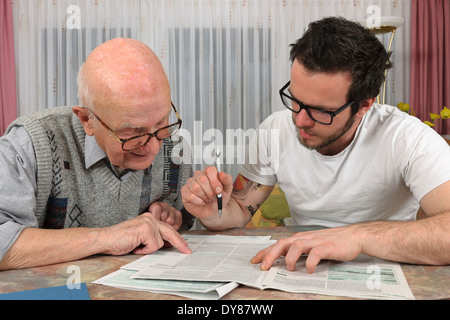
(443, 115)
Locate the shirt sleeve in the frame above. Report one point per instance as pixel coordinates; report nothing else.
(423, 158)
(260, 161)
(17, 187)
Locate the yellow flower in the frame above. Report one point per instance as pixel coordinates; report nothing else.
(403, 106)
(445, 113)
(434, 116)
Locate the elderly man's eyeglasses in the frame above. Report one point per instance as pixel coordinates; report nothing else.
(141, 140)
(317, 114)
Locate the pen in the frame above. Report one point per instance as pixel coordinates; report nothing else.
(219, 196)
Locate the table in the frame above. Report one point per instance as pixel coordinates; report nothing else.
(426, 282)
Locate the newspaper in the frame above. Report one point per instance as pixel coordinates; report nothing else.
(215, 260)
(189, 289)
(199, 290)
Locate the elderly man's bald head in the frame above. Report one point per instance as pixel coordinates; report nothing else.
(120, 67)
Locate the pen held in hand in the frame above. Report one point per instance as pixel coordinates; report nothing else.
(219, 196)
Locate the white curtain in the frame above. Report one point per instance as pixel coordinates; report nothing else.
(225, 59)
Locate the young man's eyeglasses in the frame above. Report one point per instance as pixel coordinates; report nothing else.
(141, 140)
(317, 114)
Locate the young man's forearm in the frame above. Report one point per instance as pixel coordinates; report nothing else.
(424, 241)
(245, 200)
(233, 216)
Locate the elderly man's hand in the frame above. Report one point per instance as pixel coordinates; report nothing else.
(166, 213)
(141, 235)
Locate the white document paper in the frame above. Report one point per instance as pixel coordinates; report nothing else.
(229, 261)
(200, 290)
(364, 277)
(189, 289)
(223, 261)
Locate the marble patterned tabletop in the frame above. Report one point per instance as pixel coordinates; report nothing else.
(426, 282)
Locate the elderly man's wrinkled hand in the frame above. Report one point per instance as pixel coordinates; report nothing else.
(142, 235)
(166, 213)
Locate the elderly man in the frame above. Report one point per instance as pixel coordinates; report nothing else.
(95, 178)
(344, 162)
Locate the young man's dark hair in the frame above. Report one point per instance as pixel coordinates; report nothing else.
(335, 44)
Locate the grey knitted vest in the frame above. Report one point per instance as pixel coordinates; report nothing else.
(69, 195)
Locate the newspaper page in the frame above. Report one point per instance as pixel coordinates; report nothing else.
(364, 277)
(216, 260)
(226, 261)
(188, 289)
(200, 290)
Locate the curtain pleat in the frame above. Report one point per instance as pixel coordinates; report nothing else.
(8, 111)
(225, 59)
(430, 60)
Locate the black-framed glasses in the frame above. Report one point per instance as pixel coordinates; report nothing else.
(318, 115)
(141, 140)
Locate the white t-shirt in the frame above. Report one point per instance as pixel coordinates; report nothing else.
(393, 161)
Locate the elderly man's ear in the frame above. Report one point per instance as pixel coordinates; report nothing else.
(86, 120)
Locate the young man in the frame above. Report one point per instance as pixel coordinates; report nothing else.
(360, 168)
(96, 178)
